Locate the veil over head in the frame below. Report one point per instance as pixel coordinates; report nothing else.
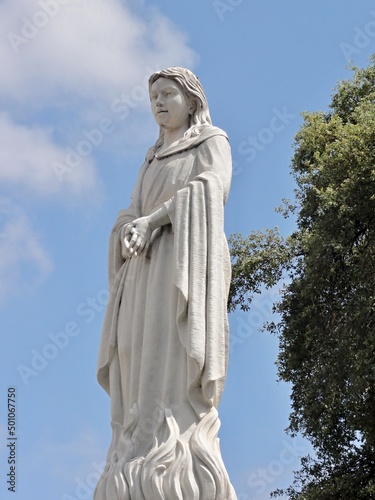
(193, 89)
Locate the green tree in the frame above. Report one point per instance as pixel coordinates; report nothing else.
(327, 308)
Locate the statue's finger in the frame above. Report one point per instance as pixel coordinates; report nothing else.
(138, 243)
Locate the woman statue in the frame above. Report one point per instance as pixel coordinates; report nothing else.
(164, 346)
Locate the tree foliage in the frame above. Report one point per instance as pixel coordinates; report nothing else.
(327, 309)
(257, 261)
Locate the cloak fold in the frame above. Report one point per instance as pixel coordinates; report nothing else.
(202, 277)
(164, 347)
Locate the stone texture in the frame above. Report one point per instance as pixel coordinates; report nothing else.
(164, 347)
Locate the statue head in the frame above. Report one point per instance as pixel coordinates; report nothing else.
(193, 90)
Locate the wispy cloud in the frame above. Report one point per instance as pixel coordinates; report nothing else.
(24, 262)
(73, 71)
(90, 48)
(27, 159)
(67, 66)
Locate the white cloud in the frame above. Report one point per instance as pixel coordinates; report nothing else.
(30, 159)
(64, 65)
(24, 263)
(69, 64)
(92, 48)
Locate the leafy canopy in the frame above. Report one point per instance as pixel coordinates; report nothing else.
(327, 309)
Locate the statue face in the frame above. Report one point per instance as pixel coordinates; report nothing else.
(169, 104)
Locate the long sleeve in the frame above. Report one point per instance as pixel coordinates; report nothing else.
(213, 155)
(115, 259)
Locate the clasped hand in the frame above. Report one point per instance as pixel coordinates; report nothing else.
(136, 237)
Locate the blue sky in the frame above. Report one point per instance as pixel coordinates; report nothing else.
(74, 127)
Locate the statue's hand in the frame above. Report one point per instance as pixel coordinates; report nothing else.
(137, 236)
(125, 237)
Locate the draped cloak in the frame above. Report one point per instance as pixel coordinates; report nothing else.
(164, 345)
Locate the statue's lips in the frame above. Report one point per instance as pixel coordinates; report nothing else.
(162, 111)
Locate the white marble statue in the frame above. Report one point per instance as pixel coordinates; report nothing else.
(164, 347)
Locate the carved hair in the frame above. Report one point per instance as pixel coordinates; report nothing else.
(193, 90)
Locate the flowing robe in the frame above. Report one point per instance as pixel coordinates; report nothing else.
(164, 346)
